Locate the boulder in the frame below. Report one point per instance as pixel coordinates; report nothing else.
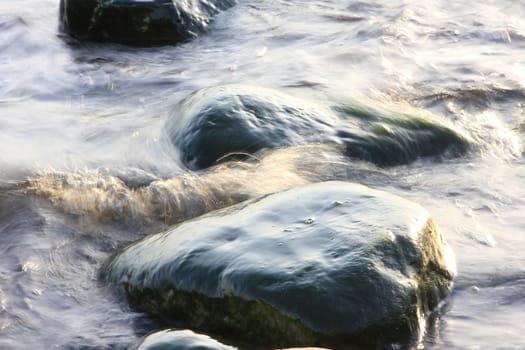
(329, 264)
(214, 123)
(179, 340)
(138, 22)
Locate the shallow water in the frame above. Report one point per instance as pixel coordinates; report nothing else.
(86, 166)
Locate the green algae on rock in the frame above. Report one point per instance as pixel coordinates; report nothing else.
(330, 264)
(179, 340)
(388, 138)
(213, 123)
(144, 22)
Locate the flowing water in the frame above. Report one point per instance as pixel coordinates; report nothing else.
(85, 166)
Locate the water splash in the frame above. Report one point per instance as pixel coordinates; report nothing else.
(110, 197)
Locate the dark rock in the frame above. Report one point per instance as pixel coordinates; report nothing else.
(138, 22)
(328, 264)
(213, 123)
(179, 340)
(393, 139)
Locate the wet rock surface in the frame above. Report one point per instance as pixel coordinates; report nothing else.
(179, 340)
(216, 123)
(330, 264)
(146, 22)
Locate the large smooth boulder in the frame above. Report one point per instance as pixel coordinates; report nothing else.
(138, 22)
(329, 264)
(213, 123)
(179, 340)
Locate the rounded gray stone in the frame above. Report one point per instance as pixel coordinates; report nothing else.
(324, 264)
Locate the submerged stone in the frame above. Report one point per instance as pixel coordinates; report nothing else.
(138, 22)
(215, 123)
(179, 340)
(330, 264)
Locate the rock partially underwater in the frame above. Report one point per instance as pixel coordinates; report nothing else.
(387, 139)
(144, 22)
(215, 122)
(172, 339)
(329, 264)
(179, 340)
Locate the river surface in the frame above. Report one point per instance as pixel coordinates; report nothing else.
(82, 131)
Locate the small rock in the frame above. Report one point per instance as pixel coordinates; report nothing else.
(179, 340)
